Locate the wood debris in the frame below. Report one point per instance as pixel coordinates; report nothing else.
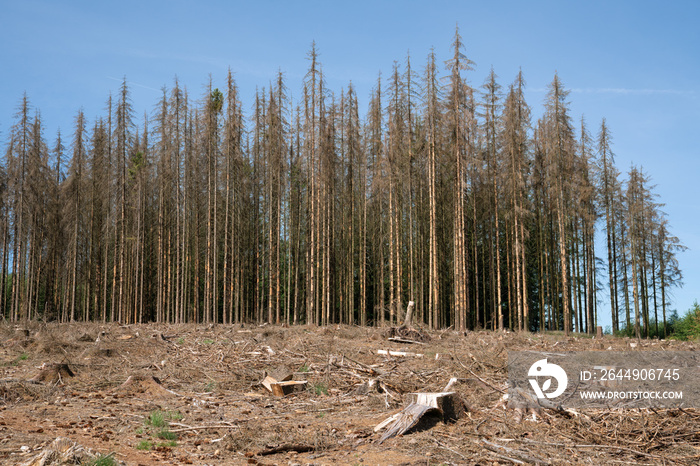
(511, 454)
(145, 384)
(279, 382)
(398, 353)
(286, 388)
(66, 451)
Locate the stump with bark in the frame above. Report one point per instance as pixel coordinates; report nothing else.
(53, 373)
(406, 333)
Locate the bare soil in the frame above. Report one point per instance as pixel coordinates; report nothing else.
(102, 386)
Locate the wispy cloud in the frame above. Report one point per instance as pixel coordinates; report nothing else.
(132, 83)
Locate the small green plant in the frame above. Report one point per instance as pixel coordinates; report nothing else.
(207, 342)
(165, 434)
(102, 460)
(210, 387)
(156, 419)
(144, 445)
(319, 388)
(171, 444)
(180, 341)
(21, 357)
(158, 426)
(304, 368)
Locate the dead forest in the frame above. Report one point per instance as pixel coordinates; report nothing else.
(214, 209)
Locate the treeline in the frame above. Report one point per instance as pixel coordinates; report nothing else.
(302, 212)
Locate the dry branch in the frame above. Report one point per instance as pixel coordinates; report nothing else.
(398, 353)
(512, 454)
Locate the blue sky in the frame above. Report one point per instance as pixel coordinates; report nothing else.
(636, 63)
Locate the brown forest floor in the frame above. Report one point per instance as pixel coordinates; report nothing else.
(207, 382)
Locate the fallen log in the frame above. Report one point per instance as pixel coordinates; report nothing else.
(405, 340)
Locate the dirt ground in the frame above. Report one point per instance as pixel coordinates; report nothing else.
(192, 394)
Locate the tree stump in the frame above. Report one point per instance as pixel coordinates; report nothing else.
(53, 373)
(285, 388)
(406, 333)
(447, 405)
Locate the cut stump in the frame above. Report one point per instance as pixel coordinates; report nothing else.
(285, 388)
(53, 373)
(145, 384)
(447, 405)
(406, 333)
(279, 382)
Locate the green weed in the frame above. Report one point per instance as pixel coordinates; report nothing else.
(144, 445)
(319, 388)
(157, 419)
(102, 460)
(165, 434)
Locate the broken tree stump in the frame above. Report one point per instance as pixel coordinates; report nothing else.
(406, 333)
(267, 382)
(447, 405)
(409, 314)
(146, 384)
(279, 382)
(53, 373)
(285, 388)
(281, 374)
